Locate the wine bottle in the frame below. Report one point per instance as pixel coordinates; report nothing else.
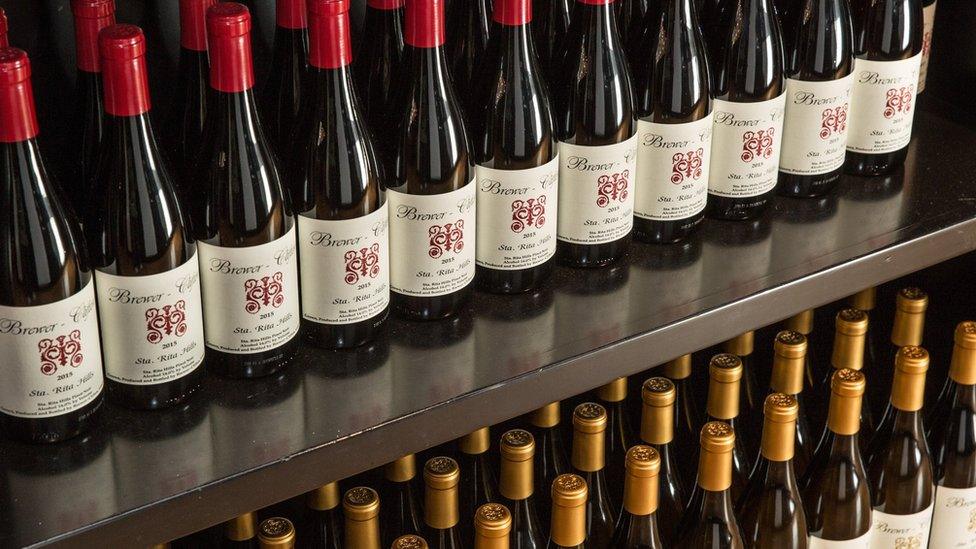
(630, 14)
(147, 278)
(551, 458)
(193, 90)
(865, 301)
(361, 507)
(337, 188)
(49, 331)
(477, 484)
(819, 80)
(323, 528)
(749, 108)
(589, 462)
(567, 530)
(899, 464)
(468, 31)
(401, 510)
(849, 336)
(888, 47)
(281, 97)
(770, 507)
(750, 393)
(515, 149)
(277, 533)
(657, 430)
(241, 532)
(928, 25)
(516, 486)
(954, 447)
(789, 356)
(637, 527)
(716, 24)
(243, 225)
(432, 205)
(492, 527)
(441, 476)
(552, 18)
(815, 362)
(907, 329)
(675, 127)
(620, 434)
(409, 541)
(724, 378)
(835, 492)
(90, 17)
(688, 416)
(597, 131)
(378, 73)
(709, 521)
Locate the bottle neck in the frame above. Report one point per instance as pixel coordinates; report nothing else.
(193, 24)
(363, 533)
(589, 451)
(568, 525)
(86, 41)
(907, 328)
(848, 351)
(291, 14)
(640, 494)
(844, 414)
(516, 479)
(715, 471)
(657, 424)
(231, 67)
(18, 116)
(964, 397)
(723, 400)
(441, 508)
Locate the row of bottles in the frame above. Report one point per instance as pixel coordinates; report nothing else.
(762, 479)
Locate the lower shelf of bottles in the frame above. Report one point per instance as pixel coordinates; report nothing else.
(144, 478)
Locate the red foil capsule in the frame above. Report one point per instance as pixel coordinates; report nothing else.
(124, 77)
(291, 14)
(18, 118)
(512, 13)
(385, 4)
(424, 23)
(4, 41)
(91, 16)
(229, 36)
(328, 32)
(595, 2)
(193, 24)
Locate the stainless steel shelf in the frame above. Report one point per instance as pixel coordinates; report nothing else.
(146, 478)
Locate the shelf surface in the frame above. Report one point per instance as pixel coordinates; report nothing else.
(145, 478)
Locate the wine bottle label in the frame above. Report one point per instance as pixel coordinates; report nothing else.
(746, 141)
(672, 175)
(53, 356)
(860, 542)
(954, 521)
(250, 295)
(596, 193)
(152, 326)
(517, 216)
(884, 105)
(815, 129)
(434, 239)
(896, 531)
(345, 267)
(928, 20)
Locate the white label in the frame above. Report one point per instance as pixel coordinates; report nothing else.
(954, 521)
(152, 326)
(53, 356)
(672, 175)
(434, 240)
(883, 105)
(746, 142)
(250, 295)
(517, 216)
(897, 531)
(596, 195)
(861, 542)
(345, 267)
(815, 130)
(928, 20)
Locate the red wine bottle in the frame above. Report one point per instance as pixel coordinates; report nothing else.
(716, 23)
(90, 16)
(515, 149)
(147, 278)
(337, 190)
(630, 17)
(549, 26)
(241, 221)
(379, 74)
(432, 205)
(192, 85)
(749, 107)
(928, 25)
(281, 96)
(888, 47)
(675, 128)
(818, 94)
(468, 28)
(48, 326)
(597, 131)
